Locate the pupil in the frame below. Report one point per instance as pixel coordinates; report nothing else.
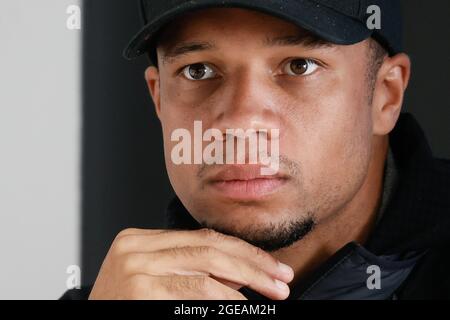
(299, 66)
(197, 71)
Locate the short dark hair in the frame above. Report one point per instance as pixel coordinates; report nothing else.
(376, 55)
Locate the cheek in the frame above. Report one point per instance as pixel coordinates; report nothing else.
(187, 94)
(181, 105)
(181, 176)
(330, 133)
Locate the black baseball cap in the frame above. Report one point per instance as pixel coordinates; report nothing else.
(342, 22)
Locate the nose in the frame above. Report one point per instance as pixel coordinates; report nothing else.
(248, 101)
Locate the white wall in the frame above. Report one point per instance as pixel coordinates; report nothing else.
(39, 148)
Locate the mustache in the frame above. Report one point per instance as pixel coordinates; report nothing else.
(287, 167)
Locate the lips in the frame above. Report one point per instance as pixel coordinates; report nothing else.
(245, 183)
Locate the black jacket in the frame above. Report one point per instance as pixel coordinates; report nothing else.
(410, 244)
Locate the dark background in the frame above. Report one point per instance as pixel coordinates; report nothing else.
(124, 181)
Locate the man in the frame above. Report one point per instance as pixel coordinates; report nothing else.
(357, 208)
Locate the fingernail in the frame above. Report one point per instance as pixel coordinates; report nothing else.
(284, 268)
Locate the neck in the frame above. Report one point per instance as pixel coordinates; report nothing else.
(353, 223)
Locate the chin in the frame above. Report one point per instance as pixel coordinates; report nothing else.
(243, 217)
(268, 234)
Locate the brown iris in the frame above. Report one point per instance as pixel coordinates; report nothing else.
(197, 71)
(299, 66)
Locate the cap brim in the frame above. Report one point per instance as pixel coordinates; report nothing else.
(322, 21)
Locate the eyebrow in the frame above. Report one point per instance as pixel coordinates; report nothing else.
(306, 40)
(185, 48)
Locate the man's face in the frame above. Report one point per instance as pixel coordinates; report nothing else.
(239, 69)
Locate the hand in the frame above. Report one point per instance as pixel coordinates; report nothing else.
(201, 264)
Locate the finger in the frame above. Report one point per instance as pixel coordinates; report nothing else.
(193, 288)
(206, 261)
(141, 232)
(149, 242)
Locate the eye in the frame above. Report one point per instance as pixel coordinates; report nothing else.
(300, 67)
(198, 71)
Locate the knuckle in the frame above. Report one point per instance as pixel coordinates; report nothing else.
(204, 284)
(128, 263)
(204, 253)
(200, 251)
(211, 253)
(121, 244)
(127, 232)
(139, 286)
(175, 252)
(261, 254)
(182, 287)
(177, 284)
(210, 234)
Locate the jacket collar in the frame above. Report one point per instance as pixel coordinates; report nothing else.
(417, 216)
(352, 273)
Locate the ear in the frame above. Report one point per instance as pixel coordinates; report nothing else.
(392, 81)
(153, 81)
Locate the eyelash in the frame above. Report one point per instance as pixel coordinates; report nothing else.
(309, 61)
(180, 72)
